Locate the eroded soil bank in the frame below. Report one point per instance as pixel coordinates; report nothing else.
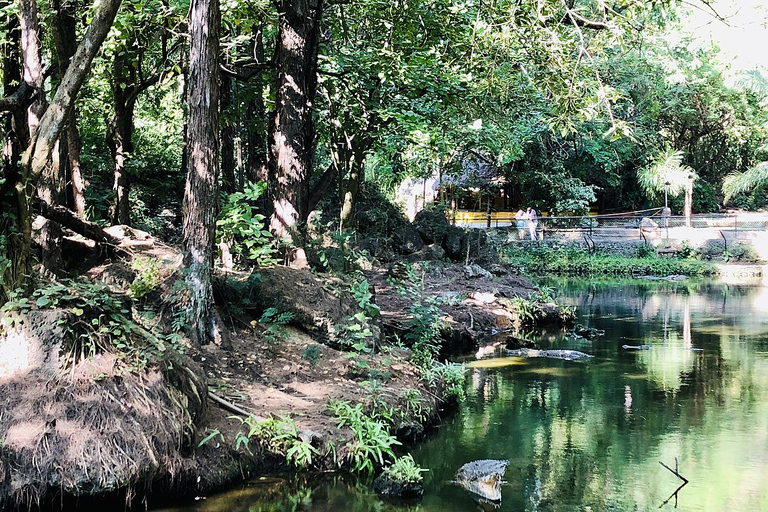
(104, 425)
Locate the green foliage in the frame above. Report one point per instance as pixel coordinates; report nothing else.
(240, 225)
(312, 355)
(743, 252)
(425, 332)
(210, 436)
(361, 291)
(560, 260)
(275, 332)
(371, 445)
(645, 251)
(739, 182)
(450, 377)
(667, 172)
(277, 435)
(147, 277)
(413, 406)
(405, 470)
(97, 322)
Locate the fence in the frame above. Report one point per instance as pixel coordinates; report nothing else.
(635, 225)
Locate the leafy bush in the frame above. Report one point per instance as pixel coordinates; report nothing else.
(243, 228)
(449, 376)
(98, 322)
(424, 332)
(147, 277)
(280, 436)
(372, 443)
(575, 261)
(275, 332)
(405, 470)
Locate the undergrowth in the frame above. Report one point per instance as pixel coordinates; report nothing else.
(94, 321)
(545, 259)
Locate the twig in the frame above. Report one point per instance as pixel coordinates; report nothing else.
(674, 471)
(678, 475)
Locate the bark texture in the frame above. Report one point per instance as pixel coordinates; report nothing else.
(201, 192)
(293, 136)
(64, 30)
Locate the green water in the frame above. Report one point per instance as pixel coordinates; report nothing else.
(590, 435)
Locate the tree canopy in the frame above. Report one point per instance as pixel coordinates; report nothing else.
(568, 101)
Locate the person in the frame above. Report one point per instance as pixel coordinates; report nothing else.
(520, 223)
(532, 222)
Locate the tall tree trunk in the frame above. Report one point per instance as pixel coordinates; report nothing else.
(201, 191)
(227, 136)
(293, 137)
(258, 165)
(50, 186)
(355, 148)
(65, 38)
(120, 142)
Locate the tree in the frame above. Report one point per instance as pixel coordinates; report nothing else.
(19, 186)
(201, 193)
(735, 183)
(668, 175)
(293, 145)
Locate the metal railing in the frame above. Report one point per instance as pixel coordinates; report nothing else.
(631, 225)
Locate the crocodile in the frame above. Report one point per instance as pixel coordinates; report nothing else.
(568, 355)
(483, 478)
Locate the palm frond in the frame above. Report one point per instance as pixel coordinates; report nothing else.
(738, 182)
(666, 170)
(755, 81)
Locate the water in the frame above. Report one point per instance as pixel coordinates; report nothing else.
(591, 435)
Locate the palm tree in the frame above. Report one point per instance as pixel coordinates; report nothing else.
(668, 174)
(738, 182)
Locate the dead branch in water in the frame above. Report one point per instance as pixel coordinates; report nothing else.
(675, 472)
(678, 475)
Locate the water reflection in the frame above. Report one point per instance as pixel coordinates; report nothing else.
(590, 434)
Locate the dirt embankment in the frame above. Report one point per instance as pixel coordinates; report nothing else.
(102, 426)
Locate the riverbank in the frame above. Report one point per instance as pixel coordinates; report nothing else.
(106, 398)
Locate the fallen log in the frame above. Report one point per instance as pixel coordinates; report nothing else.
(70, 220)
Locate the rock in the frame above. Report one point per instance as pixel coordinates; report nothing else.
(407, 240)
(580, 331)
(475, 271)
(34, 342)
(648, 225)
(476, 239)
(452, 242)
(428, 253)
(385, 485)
(432, 226)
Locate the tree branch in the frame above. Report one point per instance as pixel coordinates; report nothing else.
(254, 69)
(70, 220)
(19, 100)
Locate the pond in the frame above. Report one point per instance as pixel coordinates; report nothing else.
(595, 434)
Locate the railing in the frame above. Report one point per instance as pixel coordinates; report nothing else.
(630, 225)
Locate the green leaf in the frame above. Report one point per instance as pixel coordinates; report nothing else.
(42, 302)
